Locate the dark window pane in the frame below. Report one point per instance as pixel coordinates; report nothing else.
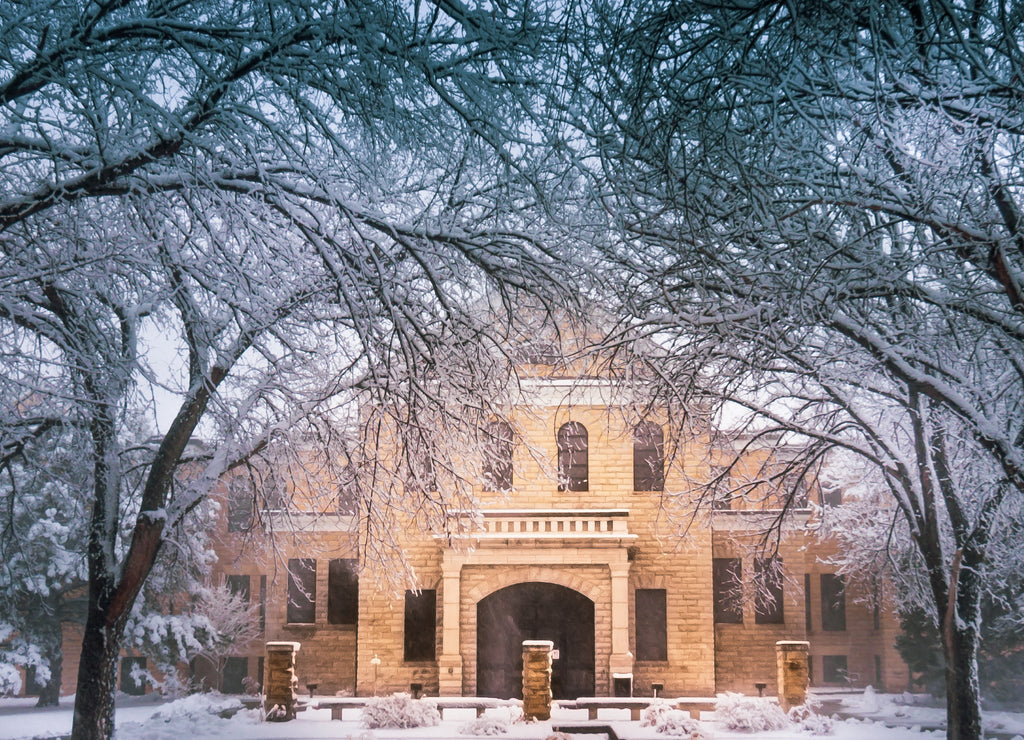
(421, 476)
(833, 669)
(651, 624)
(32, 685)
(727, 578)
(238, 586)
(234, 674)
(128, 684)
(263, 603)
(831, 495)
(342, 592)
(833, 602)
(420, 624)
(497, 463)
(768, 607)
(648, 457)
(240, 506)
(573, 464)
(807, 602)
(302, 590)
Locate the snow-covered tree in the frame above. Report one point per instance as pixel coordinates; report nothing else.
(302, 200)
(820, 211)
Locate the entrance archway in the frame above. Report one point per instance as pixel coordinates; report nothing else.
(534, 611)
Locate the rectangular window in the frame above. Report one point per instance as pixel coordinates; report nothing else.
(727, 578)
(240, 506)
(878, 673)
(128, 683)
(651, 624)
(807, 602)
(833, 602)
(342, 592)
(420, 624)
(259, 673)
(833, 669)
(768, 607)
(301, 590)
(32, 685)
(236, 670)
(263, 603)
(238, 586)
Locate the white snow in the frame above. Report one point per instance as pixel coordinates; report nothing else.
(196, 718)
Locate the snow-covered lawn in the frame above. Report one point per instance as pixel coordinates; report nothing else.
(196, 717)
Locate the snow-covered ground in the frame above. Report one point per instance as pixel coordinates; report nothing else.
(874, 716)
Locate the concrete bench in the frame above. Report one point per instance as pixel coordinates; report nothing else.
(695, 705)
(338, 704)
(637, 704)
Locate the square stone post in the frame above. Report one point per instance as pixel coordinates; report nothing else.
(537, 679)
(794, 676)
(449, 663)
(279, 680)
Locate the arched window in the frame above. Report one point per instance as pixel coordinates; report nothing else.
(648, 457)
(497, 462)
(573, 466)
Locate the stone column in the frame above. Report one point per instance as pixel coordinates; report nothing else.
(449, 664)
(621, 660)
(791, 658)
(537, 679)
(279, 680)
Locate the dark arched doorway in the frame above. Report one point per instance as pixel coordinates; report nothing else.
(534, 611)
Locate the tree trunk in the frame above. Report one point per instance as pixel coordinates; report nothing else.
(51, 642)
(97, 681)
(963, 693)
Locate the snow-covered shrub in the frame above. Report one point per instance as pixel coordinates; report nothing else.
(399, 712)
(485, 726)
(654, 711)
(808, 720)
(678, 723)
(749, 713)
(666, 719)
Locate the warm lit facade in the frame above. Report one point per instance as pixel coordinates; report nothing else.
(576, 545)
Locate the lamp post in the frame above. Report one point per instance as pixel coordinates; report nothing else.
(375, 662)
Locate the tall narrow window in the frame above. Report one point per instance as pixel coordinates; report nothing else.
(301, 591)
(421, 478)
(833, 602)
(342, 592)
(727, 579)
(807, 603)
(263, 603)
(648, 457)
(238, 586)
(232, 679)
(240, 505)
(573, 463)
(497, 463)
(420, 624)
(768, 598)
(651, 635)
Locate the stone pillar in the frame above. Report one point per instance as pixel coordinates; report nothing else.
(537, 679)
(449, 664)
(621, 660)
(279, 680)
(791, 658)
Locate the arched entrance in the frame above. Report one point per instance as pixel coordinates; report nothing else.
(534, 611)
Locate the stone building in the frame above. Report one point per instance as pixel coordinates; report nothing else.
(580, 540)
